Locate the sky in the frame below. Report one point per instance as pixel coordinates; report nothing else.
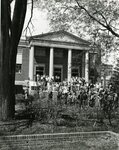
(39, 21)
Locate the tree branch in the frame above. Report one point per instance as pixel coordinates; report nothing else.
(103, 17)
(107, 26)
(30, 20)
(83, 8)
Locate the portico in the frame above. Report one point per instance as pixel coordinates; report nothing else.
(69, 53)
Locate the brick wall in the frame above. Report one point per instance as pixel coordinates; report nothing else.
(60, 141)
(25, 66)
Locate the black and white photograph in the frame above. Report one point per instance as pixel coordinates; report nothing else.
(59, 75)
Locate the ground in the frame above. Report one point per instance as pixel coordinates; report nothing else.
(57, 119)
(62, 119)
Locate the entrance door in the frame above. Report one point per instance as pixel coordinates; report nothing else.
(58, 73)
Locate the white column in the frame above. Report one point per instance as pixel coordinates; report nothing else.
(87, 66)
(51, 63)
(69, 65)
(83, 65)
(31, 63)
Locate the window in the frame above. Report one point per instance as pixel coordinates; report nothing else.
(20, 51)
(18, 68)
(76, 58)
(19, 56)
(57, 74)
(40, 70)
(75, 72)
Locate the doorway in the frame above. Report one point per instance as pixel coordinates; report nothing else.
(75, 72)
(58, 73)
(40, 70)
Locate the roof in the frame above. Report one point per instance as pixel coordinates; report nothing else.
(61, 36)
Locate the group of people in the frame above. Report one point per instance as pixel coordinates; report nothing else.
(77, 91)
(87, 95)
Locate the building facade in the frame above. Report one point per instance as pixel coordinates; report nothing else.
(59, 54)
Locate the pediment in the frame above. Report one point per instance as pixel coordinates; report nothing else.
(61, 36)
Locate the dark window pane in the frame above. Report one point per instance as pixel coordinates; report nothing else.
(18, 68)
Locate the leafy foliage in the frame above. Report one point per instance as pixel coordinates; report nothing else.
(115, 76)
(91, 19)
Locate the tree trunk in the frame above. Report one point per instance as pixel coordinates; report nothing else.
(11, 32)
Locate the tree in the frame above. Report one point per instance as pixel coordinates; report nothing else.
(96, 20)
(103, 15)
(102, 12)
(11, 30)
